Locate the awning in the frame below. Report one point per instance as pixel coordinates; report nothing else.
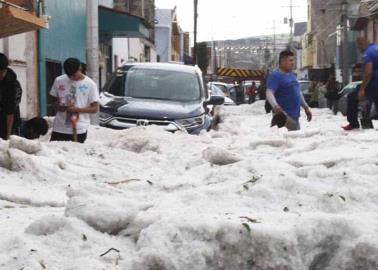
(16, 21)
(366, 9)
(116, 23)
(360, 23)
(373, 6)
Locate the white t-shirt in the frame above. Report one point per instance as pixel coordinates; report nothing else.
(82, 94)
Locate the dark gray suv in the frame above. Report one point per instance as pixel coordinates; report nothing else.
(168, 95)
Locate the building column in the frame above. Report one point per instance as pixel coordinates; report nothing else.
(93, 68)
(6, 46)
(31, 54)
(92, 40)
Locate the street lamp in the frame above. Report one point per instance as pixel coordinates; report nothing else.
(195, 32)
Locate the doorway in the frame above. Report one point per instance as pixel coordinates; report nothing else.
(53, 70)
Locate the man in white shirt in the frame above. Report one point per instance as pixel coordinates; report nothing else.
(75, 97)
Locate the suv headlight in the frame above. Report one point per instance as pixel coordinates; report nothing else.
(104, 116)
(192, 122)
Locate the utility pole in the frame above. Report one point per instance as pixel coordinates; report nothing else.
(274, 45)
(214, 53)
(93, 47)
(291, 21)
(142, 8)
(92, 40)
(273, 63)
(195, 32)
(345, 52)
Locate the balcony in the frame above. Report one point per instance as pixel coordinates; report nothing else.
(117, 23)
(18, 16)
(143, 9)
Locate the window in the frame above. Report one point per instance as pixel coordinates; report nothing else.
(116, 84)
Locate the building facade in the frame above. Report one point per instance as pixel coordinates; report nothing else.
(297, 46)
(18, 41)
(367, 22)
(172, 43)
(163, 34)
(67, 35)
(131, 47)
(259, 52)
(38, 56)
(324, 39)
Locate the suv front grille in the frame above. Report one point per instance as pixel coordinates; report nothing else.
(143, 122)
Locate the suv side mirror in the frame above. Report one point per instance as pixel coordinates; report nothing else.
(216, 100)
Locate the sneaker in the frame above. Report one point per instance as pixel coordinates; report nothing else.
(349, 127)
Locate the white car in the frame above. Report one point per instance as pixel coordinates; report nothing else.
(216, 91)
(343, 101)
(225, 87)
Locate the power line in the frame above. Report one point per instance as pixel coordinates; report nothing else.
(345, 42)
(291, 20)
(195, 32)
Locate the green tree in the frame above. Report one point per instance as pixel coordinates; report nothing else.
(202, 57)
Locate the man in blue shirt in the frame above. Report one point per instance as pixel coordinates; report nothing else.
(369, 88)
(284, 92)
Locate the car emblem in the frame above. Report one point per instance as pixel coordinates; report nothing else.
(142, 122)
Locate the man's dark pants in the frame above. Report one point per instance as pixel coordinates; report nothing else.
(352, 107)
(16, 124)
(55, 136)
(3, 126)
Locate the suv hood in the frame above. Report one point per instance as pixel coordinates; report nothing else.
(154, 109)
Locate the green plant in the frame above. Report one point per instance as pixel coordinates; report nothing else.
(253, 180)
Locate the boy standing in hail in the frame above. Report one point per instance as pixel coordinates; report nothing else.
(75, 97)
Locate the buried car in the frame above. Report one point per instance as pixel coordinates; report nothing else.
(216, 91)
(169, 95)
(343, 101)
(305, 88)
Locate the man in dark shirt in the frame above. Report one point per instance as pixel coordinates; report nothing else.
(369, 88)
(10, 95)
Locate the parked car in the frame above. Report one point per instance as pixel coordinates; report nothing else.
(225, 87)
(305, 88)
(168, 95)
(343, 101)
(216, 91)
(237, 94)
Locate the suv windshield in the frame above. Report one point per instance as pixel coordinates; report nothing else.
(161, 84)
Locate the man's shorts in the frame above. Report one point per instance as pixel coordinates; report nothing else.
(292, 125)
(283, 120)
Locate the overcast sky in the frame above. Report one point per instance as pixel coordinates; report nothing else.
(231, 19)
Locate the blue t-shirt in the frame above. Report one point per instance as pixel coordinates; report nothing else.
(370, 55)
(287, 92)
